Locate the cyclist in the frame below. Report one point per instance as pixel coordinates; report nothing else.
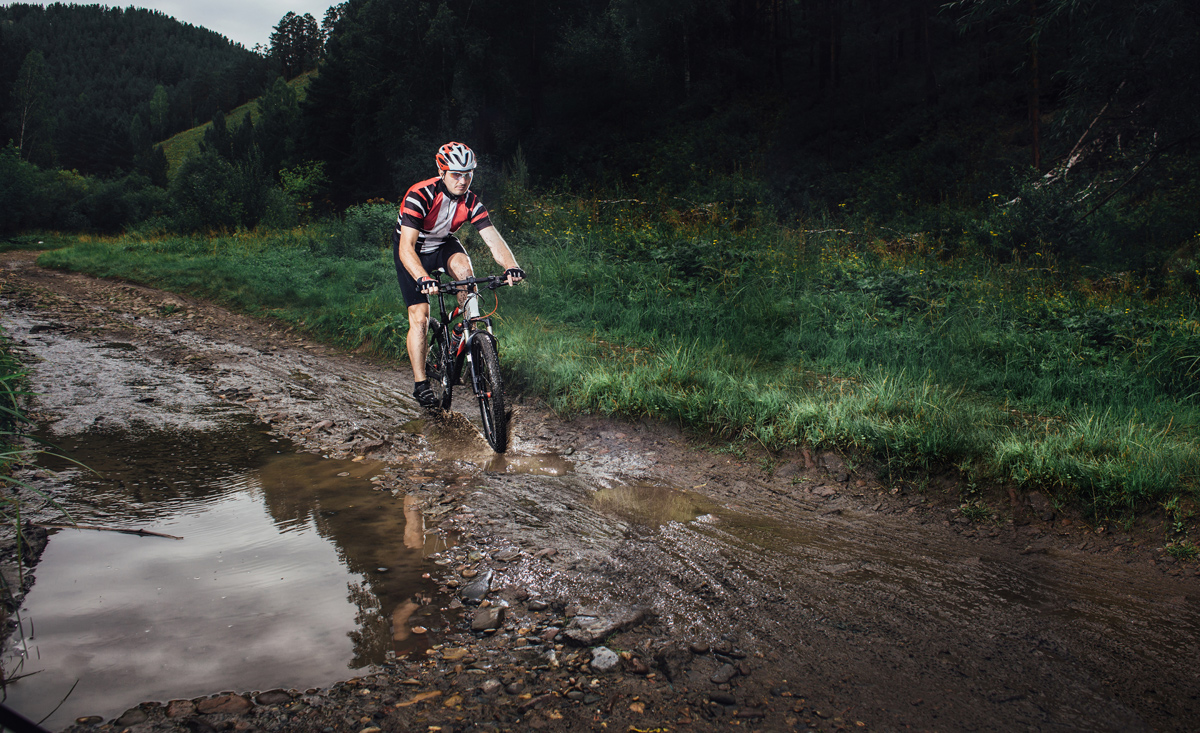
(424, 242)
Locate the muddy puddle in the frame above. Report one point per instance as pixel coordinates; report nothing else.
(288, 574)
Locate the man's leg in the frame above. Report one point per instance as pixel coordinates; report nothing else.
(418, 324)
(459, 265)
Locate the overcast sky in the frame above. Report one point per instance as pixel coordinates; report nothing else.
(242, 21)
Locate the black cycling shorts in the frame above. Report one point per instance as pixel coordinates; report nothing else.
(432, 262)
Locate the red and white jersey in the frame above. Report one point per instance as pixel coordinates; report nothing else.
(430, 209)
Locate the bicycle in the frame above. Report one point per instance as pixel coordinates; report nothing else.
(473, 358)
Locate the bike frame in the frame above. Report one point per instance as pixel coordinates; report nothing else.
(471, 330)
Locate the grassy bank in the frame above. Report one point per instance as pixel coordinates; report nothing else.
(1021, 374)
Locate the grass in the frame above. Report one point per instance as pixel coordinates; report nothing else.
(1021, 374)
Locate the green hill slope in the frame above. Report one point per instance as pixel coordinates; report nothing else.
(179, 146)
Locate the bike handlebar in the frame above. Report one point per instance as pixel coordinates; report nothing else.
(454, 286)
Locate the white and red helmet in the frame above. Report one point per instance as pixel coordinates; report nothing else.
(455, 157)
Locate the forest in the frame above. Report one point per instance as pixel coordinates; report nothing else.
(909, 112)
(983, 215)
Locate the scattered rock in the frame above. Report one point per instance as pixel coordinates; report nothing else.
(228, 704)
(507, 555)
(132, 716)
(477, 589)
(588, 629)
(724, 674)
(488, 619)
(604, 659)
(491, 687)
(184, 708)
(672, 660)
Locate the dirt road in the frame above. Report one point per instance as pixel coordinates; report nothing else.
(773, 592)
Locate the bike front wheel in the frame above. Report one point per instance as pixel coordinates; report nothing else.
(489, 387)
(438, 366)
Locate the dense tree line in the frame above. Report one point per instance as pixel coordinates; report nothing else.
(935, 101)
(92, 88)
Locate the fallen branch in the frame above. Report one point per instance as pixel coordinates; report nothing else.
(123, 530)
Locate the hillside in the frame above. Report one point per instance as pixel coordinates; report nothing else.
(100, 84)
(182, 144)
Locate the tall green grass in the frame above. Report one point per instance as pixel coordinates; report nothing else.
(1020, 373)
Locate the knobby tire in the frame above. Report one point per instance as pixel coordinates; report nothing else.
(490, 389)
(438, 365)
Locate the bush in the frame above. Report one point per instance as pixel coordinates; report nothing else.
(210, 193)
(363, 231)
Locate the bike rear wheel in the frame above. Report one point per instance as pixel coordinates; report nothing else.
(438, 366)
(489, 387)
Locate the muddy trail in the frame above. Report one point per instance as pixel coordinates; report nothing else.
(601, 574)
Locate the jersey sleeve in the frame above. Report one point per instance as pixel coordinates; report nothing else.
(479, 215)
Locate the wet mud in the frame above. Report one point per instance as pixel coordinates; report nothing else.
(621, 575)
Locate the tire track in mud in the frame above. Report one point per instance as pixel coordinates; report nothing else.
(902, 621)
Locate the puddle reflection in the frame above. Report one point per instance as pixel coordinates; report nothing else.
(454, 438)
(652, 505)
(290, 574)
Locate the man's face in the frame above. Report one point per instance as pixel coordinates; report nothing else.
(457, 182)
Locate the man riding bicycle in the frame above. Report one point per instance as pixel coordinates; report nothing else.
(424, 242)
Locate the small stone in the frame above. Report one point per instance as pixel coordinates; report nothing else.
(550, 634)
(586, 629)
(477, 589)
(576, 695)
(515, 688)
(488, 619)
(470, 573)
(604, 659)
(506, 555)
(184, 708)
(723, 698)
(228, 704)
(89, 720)
(419, 630)
(698, 647)
(132, 716)
(272, 697)
(538, 605)
(491, 687)
(637, 665)
(724, 674)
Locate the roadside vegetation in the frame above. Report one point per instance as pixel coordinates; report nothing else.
(14, 452)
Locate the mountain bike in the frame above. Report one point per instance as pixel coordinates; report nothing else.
(466, 353)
